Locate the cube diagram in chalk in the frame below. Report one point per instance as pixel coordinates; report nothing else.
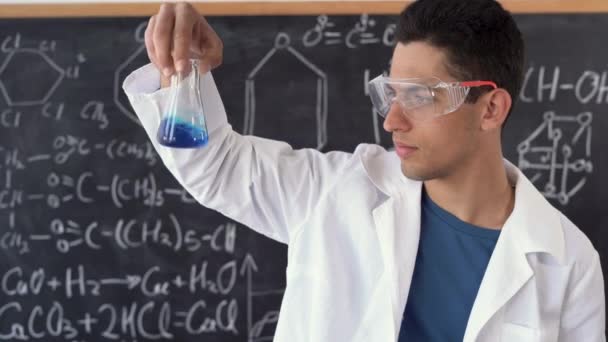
(557, 155)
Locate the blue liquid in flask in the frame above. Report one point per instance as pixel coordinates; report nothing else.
(175, 132)
(183, 125)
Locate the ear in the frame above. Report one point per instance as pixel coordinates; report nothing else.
(496, 105)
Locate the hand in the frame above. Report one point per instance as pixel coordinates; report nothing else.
(176, 34)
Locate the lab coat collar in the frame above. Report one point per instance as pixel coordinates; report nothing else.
(532, 224)
(384, 171)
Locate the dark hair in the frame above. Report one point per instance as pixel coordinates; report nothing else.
(480, 39)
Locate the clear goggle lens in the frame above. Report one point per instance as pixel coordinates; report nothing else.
(418, 98)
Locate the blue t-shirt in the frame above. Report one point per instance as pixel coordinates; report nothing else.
(451, 261)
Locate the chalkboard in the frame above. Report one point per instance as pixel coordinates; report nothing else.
(98, 242)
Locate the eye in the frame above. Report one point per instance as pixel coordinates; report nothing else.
(417, 99)
(422, 99)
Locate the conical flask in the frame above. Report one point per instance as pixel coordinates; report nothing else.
(183, 124)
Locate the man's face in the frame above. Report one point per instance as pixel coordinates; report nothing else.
(438, 146)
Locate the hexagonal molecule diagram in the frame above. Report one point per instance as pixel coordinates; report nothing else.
(287, 101)
(557, 155)
(29, 77)
(137, 59)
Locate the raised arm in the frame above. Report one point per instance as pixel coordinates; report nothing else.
(261, 183)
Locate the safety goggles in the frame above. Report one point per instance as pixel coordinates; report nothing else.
(420, 98)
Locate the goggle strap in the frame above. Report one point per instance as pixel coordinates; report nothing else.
(478, 84)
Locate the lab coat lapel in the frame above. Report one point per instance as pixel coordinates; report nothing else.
(507, 271)
(397, 225)
(532, 227)
(398, 229)
(385, 221)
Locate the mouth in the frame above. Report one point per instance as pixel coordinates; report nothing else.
(404, 150)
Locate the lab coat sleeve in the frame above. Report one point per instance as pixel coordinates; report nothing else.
(584, 312)
(262, 183)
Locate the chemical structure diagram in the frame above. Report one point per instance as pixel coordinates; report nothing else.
(281, 49)
(361, 34)
(28, 63)
(29, 78)
(135, 60)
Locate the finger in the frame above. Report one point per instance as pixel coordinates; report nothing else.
(149, 41)
(195, 50)
(211, 46)
(185, 20)
(163, 37)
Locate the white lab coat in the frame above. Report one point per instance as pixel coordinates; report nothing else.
(352, 224)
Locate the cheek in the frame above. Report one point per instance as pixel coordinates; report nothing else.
(438, 137)
(446, 139)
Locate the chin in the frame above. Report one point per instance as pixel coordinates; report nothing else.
(418, 173)
(411, 172)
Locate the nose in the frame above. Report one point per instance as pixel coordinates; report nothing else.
(396, 120)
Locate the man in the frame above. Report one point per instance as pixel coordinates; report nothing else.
(442, 241)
